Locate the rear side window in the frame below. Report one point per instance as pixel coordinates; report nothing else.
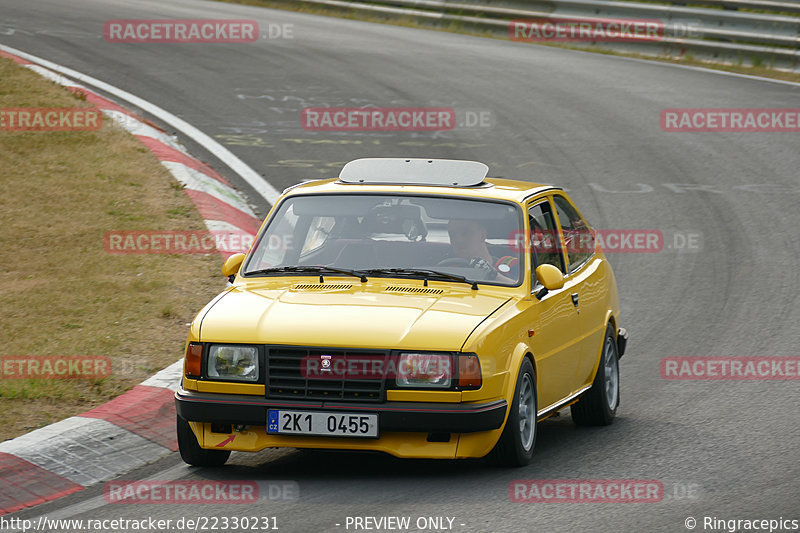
(578, 236)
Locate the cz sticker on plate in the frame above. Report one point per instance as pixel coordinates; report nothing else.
(321, 423)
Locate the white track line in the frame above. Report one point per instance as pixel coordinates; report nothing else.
(168, 378)
(257, 182)
(85, 450)
(173, 473)
(198, 181)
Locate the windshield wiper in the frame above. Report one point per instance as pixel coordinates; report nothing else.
(427, 272)
(310, 268)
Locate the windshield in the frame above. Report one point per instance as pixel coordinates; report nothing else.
(407, 234)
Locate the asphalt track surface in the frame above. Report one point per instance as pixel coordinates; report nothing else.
(587, 122)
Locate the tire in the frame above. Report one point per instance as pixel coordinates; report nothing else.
(515, 447)
(192, 453)
(598, 405)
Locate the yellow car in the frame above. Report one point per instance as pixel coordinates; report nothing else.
(409, 306)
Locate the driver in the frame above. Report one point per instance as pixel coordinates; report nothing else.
(468, 239)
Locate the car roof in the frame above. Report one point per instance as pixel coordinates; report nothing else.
(422, 176)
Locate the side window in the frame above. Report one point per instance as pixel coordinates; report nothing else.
(545, 248)
(578, 236)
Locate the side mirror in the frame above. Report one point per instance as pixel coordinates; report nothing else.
(231, 266)
(551, 279)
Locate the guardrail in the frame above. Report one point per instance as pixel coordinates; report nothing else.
(755, 5)
(733, 34)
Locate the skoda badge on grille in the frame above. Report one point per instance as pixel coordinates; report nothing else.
(325, 365)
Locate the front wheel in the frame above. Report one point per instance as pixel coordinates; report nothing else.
(192, 453)
(515, 447)
(598, 405)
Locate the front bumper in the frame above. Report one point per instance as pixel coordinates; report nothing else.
(392, 416)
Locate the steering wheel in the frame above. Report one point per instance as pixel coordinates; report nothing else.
(455, 262)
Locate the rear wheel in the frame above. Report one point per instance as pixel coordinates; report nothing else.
(192, 453)
(598, 406)
(515, 447)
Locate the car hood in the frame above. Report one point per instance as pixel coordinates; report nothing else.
(352, 316)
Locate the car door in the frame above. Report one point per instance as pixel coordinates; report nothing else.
(586, 274)
(554, 317)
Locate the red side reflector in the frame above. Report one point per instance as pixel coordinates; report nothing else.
(469, 372)
(193, 363)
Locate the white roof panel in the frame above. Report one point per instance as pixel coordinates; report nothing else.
(439, 172)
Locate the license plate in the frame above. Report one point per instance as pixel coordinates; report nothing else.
(320, 423)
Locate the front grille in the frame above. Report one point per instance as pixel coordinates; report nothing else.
(292, 374)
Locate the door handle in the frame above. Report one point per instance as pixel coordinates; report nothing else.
(575, 298)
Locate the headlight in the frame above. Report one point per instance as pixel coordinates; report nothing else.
(233, 362)
(425, 370)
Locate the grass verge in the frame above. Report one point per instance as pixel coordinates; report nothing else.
(60, 292)
(761, 71)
